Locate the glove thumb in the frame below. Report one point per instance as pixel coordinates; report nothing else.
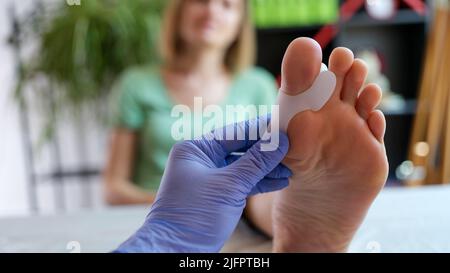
(258, 161)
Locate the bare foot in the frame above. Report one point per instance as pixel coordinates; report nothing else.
(337, 155)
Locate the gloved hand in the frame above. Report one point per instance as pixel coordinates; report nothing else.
(204, 189)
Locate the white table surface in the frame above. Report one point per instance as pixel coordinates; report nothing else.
(400, 220)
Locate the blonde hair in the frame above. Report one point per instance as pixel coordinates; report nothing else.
(239, 56)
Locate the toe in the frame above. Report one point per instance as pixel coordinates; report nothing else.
(368, 100)
(377, 124)
(354, 81)
(341, 60)
(301, 65)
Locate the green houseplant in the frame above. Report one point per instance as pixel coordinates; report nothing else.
(82, 49)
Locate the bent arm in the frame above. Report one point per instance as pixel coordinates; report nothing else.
(118, 188)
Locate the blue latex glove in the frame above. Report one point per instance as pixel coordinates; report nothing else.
(204, 189)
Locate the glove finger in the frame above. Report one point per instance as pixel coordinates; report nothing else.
(280, 171)
(256, 163)
(232, 158)
(269, 185)
(237, 137)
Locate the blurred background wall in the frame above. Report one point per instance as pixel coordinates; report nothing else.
(76, 192)
(13, 197)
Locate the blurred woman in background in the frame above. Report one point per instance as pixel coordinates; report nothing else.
(207, 51)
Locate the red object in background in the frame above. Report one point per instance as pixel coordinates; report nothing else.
(279, 81)
(326, 34)
(346, 12)
(417, 5)
(349, 8)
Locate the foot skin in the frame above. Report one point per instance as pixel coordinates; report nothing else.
(337, 155)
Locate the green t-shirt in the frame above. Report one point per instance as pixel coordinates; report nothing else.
(142, 104)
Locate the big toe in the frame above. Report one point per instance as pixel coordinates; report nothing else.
(301, 65)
